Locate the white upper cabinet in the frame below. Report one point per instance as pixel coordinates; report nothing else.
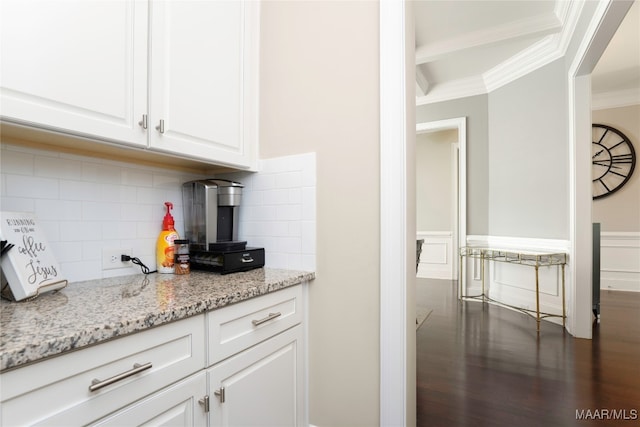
(177, 77)
(203, 79)
(76, 66)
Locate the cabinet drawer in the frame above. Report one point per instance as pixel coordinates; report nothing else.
(57, 391)
(176, 405)
(240, 326)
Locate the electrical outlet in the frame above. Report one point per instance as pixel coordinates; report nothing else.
(111, 258)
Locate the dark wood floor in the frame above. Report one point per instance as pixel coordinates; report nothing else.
(483, 365)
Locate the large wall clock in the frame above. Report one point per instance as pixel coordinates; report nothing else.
(613, 160)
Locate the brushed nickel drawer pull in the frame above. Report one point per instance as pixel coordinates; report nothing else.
(97, 384)
(160, 127)
(144, 123)
(220, 394)
(271, 316)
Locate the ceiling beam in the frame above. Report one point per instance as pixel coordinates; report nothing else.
(529, 27)
(422, 84)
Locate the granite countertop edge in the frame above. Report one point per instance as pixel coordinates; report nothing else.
(17, 350)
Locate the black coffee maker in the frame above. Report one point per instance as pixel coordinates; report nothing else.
(211, 218)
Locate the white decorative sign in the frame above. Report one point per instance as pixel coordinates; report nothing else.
(29, 267)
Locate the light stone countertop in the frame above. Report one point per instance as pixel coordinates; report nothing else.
(86, 313)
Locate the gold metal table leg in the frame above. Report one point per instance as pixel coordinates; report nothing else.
(564, 310)
(537, 299)
(482, 274)
(460, 278)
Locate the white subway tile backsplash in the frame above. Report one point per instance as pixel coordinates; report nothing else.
(289, 180)
(17, 162)
(137, 178)
(92, 250)
(67, 251)
(263, 181)
(57, 210)
(295, 195)
(55, 167)
(32, 187)
(279, 210)
(81, 231)
(275, 197)
(100, 211)
(78, 190)
(289, 213)
(85, 204)
(102, 173)
(17, 204)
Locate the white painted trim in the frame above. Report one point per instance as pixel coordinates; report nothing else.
(620, 235)
(393, 215)
(434, 233)
(608, 13)
(459, 123)
(621, 98)
(521, 243)
(548, 49)
(455, 189)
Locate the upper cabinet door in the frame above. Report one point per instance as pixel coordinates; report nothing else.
(203, 80)
(76, 66)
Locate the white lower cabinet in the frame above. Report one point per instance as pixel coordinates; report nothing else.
(261, 386)
(177, 405)
(241, 365)
(81, 387)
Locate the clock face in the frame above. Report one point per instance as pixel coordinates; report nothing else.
(613, 160)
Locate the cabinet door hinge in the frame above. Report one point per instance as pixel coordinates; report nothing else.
(220, 393)
(205, 403)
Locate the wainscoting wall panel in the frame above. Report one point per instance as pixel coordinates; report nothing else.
(620, 261)
(437, 258)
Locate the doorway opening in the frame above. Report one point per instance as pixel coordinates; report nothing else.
(441, 247)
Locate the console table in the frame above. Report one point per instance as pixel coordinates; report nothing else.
(533, 259)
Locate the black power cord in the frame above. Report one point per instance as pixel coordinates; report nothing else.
(136, 261)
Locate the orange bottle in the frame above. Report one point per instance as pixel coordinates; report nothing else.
(164, 246)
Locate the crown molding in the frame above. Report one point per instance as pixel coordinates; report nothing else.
(615, 99)
(547, 50)
(539, 54)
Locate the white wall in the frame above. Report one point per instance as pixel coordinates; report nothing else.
(434, 195)
(529, 156)
(320, 93)
(475, 109)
